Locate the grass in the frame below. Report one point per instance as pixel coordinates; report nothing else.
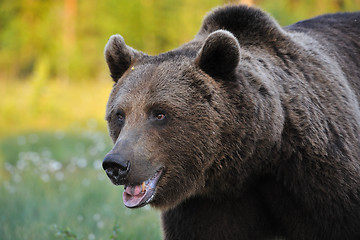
(43, 105)
(52, 187)
(52, 142)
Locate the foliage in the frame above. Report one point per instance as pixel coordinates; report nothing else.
(291, 11)
(71, 34)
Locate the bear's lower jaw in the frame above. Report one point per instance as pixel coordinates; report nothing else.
(140, 195)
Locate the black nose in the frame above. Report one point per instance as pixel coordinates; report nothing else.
(116, 167)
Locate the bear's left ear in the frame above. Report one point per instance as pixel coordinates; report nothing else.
(119, 56)
(220, 54)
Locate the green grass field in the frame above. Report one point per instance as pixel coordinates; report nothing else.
(52, 186)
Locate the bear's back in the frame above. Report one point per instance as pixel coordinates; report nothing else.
(330, 23)
(342, 31)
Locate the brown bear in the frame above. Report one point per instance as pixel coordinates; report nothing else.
(249, 131)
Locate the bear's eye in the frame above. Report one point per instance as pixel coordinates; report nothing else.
(120, 117)
(160, 116)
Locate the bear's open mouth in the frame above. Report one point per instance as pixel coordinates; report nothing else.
(140, 195)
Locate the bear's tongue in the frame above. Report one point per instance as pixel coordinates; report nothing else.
(139, 195)
(133, 195)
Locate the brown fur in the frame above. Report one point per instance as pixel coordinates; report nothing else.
(262, 129)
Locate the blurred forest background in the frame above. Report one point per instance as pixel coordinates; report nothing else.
(54, 85)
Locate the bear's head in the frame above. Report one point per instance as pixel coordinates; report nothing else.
(178, 119)
(166, 117)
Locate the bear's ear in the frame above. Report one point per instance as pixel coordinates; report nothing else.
(219, 55)
(119, 56)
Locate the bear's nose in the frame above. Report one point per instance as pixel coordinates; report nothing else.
(116, 167)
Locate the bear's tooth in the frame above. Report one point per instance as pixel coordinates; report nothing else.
(143, 187)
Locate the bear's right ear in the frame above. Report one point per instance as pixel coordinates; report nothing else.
(219, 55)
(119, 56)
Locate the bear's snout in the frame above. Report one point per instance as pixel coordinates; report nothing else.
(116, 167)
